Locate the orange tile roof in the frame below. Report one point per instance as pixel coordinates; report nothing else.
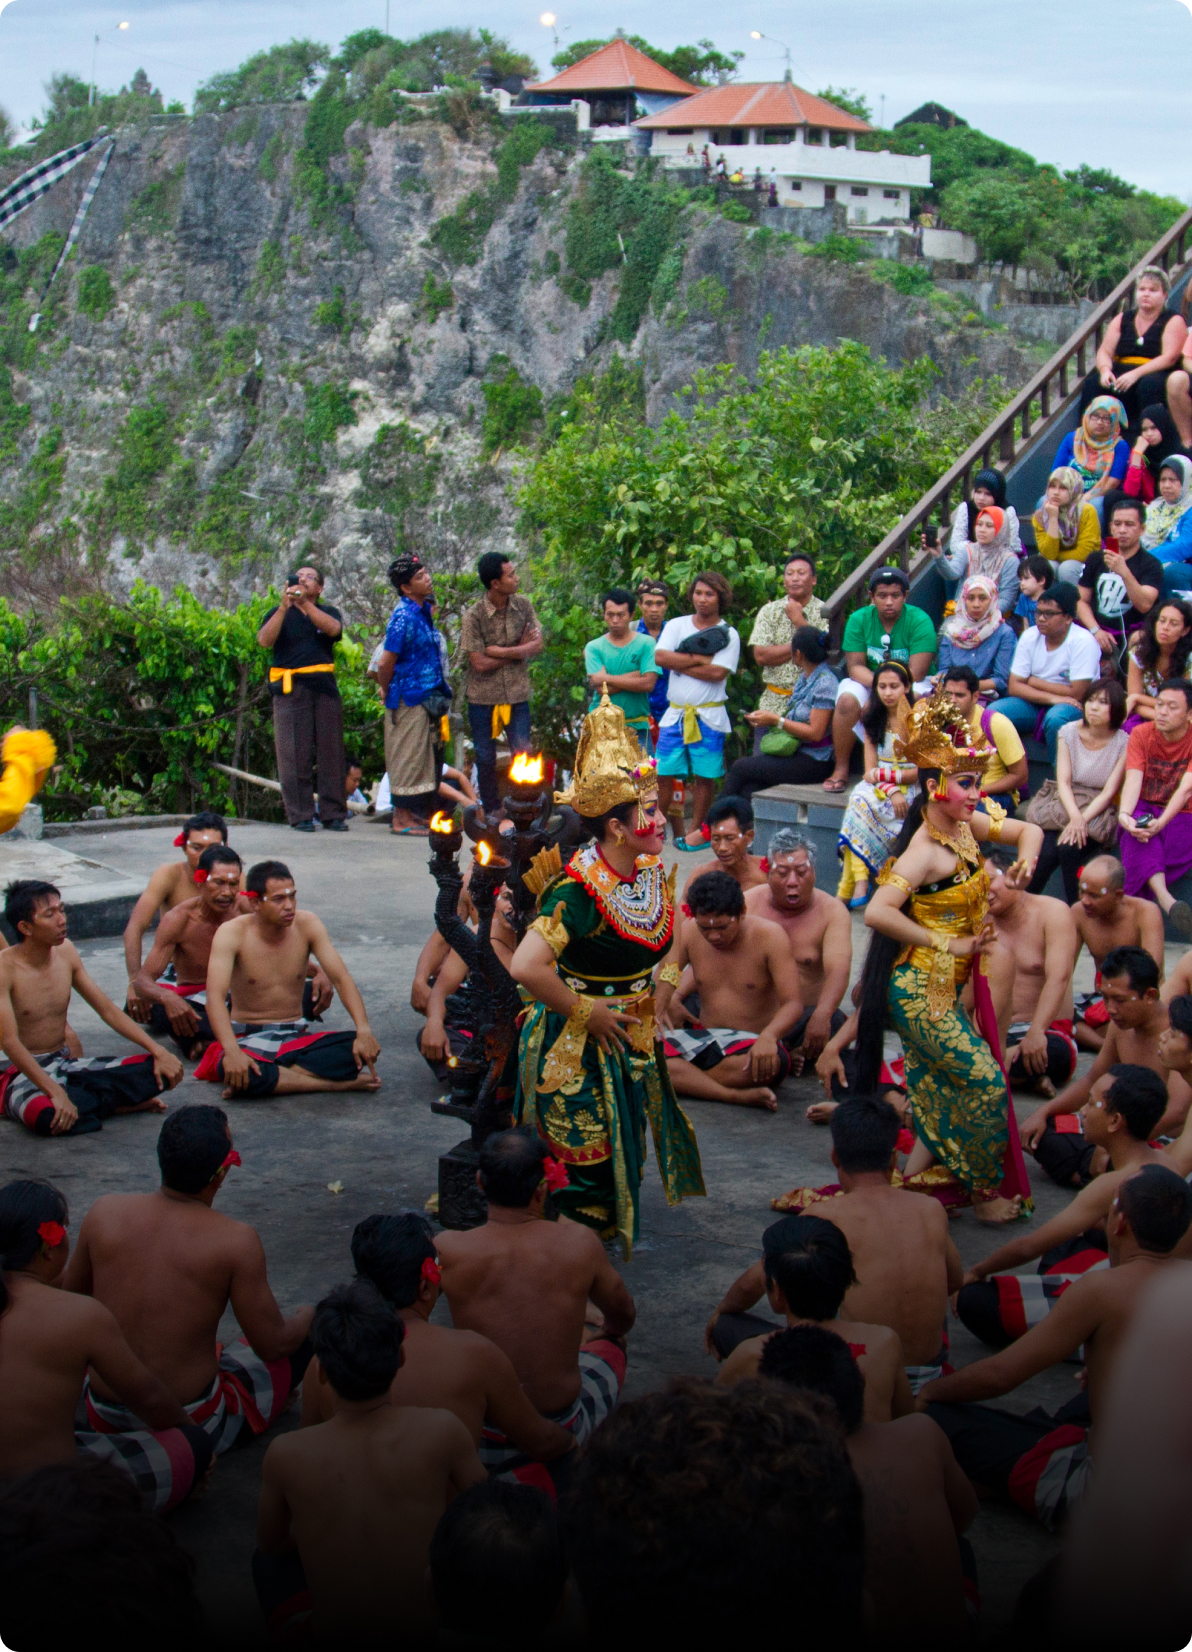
(613, 67)
(768, 103)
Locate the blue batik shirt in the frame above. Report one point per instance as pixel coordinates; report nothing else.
(413, 638)
(659, 697)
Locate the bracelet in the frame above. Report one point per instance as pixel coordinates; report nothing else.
(671, 974)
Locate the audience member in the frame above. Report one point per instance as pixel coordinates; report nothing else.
(500, 634)
(701, 652)
(1035, 575)
(987, 556)
(623, 662)
(353, 778)
(1067, 530)
(879, 801)
(1169, 524)
(1155, 812)
(1106, 917)
(1158, 652)
(918, 1504)
(691, 1499)
(989, 491)
(410, 677)
(1077, 807)
(775, 627)
(976, 635)
(48, 1087)
(652, 599)
(729, 828)
(818, 933)
(807, 1270)
(1040, 935)
(356, 1499)
(1007, 774)
(171, 884)
(1157, 440)
(797, 747)
(308, 714)
(1097, 450)
(498, 1566)
(749, 999)
(889, 628)
(1054, 663)
(1119, 587)
(1147, 341)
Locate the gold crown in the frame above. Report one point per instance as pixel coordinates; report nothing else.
(609, 766)
(937, 737)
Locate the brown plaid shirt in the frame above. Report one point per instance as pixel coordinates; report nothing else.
(503, 628)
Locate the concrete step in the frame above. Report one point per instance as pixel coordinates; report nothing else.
(98, 900)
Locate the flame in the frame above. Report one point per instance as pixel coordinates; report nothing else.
(453, 1061)
(483, 853)
(441, 822)
(526, 771)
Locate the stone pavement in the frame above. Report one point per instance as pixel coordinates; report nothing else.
(376, 896)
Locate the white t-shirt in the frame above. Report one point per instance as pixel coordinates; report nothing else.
(1079, 656)
(690, 691)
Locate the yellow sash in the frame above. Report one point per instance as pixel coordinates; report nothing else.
(1131, 361)
(285, 674)
(502, 717)
(692, 733)
(776, 688)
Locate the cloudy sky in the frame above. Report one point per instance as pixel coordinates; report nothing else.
(1041, 74)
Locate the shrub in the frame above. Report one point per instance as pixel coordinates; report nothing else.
(512, 407)
(329, 409)
(436, 298)
(96, 295)
(736, 212)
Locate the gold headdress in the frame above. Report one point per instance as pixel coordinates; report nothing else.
(609, 766)
(937, 737)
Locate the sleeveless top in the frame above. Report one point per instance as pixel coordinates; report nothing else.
(954, 906)
(1132, 348)
(1093, 768)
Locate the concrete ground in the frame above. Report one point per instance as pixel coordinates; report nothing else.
(376, 896)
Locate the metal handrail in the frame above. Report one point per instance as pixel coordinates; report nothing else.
(1014, 428)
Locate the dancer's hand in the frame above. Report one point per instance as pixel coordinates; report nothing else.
(610, 1027)
(830, 1067)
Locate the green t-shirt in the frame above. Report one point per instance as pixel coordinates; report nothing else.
(913, 633)
(637, 655)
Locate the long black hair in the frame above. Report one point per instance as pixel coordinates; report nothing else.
(1146, 643)
(873, 1003)
(24, 1206)
(876, 716)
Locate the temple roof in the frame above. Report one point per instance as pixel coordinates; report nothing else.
(765, 103)
(613, 68)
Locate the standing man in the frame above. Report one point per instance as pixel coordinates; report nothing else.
(692, 733)
(410, 676)
(623, 662)
(500, 635)
(1119, 587)
(774, 627)
(308, 715)
(890, 628)
(1054, 663)
(652, 598)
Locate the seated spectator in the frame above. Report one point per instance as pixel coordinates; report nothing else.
(1158, 439)
(879, 801)
(498, 1567)
(1140, 353)
(889, 628)
(698, 1500)
(1008, 773)
(1118, 588)
(976, 635)
(1155, 813)
(623, 662)
(1158, 652)
(1054, 664)
(1078, 807)
(918, 1504)
(1035, 575)
(989, 489)
(1067, 530)
(797, 745)
(775, 625)
(989, 554)
(1096, 450)
(1169, 524)
(729, 829)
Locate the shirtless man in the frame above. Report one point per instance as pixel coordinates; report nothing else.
(1040, 935)
(820, 935)
(461, 1371)
(446, 1008)
(264, 1047)
(356, 1499)
(808, 1270)
(168, 1266)
(749, 999)
(728, 825)
(47, 1088)
(1106, 917)
(917, 1502)
(171, 884)
(177, 1006)
(1004, 1451)
(50, 1340)
(525, 1283)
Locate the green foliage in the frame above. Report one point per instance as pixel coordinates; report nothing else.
(270, 274)
(279, 75)
(435, 298)
(699, 65)
(736, 212)
(912, 280)
(155, 210)
(611, 211)
(707, 296)
(841, 249)
(330, 408)
(96, 295)
(239, 350)
(14, 416)
(459, 235)
(331, 113)
(68, 118)
(145, 446)
(334, 313)
(271, 157)
(397, 476)
(551, 263)
(39, 492)
(511, 407)
(824, 452)
(849, 99)
(526, 138)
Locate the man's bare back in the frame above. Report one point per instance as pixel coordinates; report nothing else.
(738, 987)
(876, 1348)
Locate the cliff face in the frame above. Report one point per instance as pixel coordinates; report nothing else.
(263, 351)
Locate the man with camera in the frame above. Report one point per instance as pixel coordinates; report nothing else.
(308, 718)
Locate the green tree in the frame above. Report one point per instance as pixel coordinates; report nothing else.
(279, 75)
(998, 210)
(848, 99)
(700, 65)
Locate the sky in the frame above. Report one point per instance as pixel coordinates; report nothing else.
(1040, 74)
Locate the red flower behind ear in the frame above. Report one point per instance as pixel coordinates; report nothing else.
(686, 910)
(431, 1270)
(180, 841)
(250, 894)
(906, 1141)
(200, 877)
(765, 865)
(51, 1234)
(555, 1174)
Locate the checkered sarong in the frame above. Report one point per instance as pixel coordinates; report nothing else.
(601, 1375)
(707, 1046)
(284, 1044)
(97, 1087)
(1053, 1475)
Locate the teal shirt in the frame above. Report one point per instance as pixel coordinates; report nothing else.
(637, 655)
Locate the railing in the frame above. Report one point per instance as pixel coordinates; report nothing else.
(1016, 427)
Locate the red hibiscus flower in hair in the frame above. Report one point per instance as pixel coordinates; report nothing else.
(51, 1234)
(765, 865)
(555, 1174)
(431, 1270)
(200, 877)
(180, 841)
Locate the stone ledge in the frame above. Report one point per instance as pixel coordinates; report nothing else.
(98, 900)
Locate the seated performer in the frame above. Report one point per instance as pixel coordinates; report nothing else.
(808, 1270)
(50, 1341)
(902, 1251)
(1040, 936)
(171, 884)
(820, 936)
(177, 995)
(264, 1047)
(590, 1068)
(525, 1283)
(749, 999)
(55, 1092)
(461, 1371)
(446, 1032)
(498, 1567)
(1043, 1461)
(168, 1267)
(728, 827)
(918, 1504)
(348, 1508)
(1106, 918)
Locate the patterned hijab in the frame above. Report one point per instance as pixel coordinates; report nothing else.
(964, 631)
(1161, 517)
(1073, 484)
(1092, 459)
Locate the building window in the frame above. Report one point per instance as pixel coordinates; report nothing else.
(738, 134)
(815, 134)
(838, 140)
(778, 135)
(829, 192)
(860, 189)
(680, 131)
(796, 183)
(891, 194)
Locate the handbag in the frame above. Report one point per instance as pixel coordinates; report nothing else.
(1046, 810)
(776, 742)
